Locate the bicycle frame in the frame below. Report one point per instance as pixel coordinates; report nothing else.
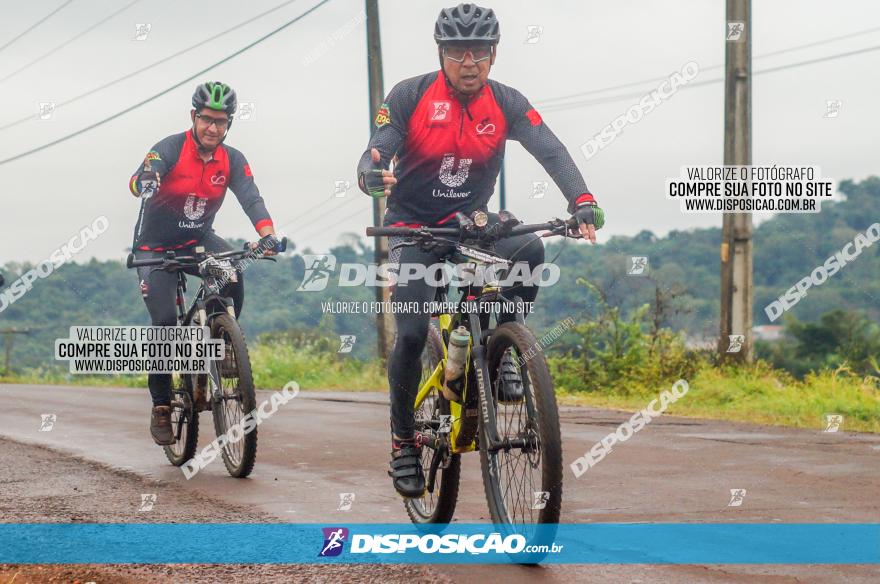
(475, 357)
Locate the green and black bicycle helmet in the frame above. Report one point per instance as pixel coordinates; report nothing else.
(468, 23)
(216, 96)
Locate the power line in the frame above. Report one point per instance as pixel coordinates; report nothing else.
(70, 40)
(302, 217)
(35, 25)
(613, 98)
(322, 227)
(163, 92)
(545, 102)
(31, 117)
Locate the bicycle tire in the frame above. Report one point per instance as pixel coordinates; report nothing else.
(238, 361)
(182, 405)
(538, 387)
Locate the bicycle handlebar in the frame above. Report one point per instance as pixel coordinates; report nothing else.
(183, 261)
(554, 225)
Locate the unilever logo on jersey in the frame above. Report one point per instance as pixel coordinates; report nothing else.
(334, 541)
(453, 179)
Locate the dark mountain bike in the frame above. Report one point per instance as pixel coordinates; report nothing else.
(228, 389)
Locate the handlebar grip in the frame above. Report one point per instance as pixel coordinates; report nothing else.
(130, 262)
(389, 231)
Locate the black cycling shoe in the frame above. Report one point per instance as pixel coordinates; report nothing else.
(406, 467)
(510, 390)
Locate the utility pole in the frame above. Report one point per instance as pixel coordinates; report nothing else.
(502, 190)
(384, 319)
(736, 233)
(7, 345)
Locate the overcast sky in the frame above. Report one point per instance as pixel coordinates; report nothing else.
(311, 119)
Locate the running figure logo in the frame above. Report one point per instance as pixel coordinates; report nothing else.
(334, 539)
(539, 189)
(833, 422)
(541, 499)
(346, 343)
(737, 496)
(637, 265)
(735, 30)
(832, 108)
(47, 422)
(346, 500)
(147, 502)
(534, 32)
(736, 343)
(318, 270)
(440, 111)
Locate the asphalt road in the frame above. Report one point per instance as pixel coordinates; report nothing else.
(322, 444)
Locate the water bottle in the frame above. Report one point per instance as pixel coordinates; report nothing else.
(456, 353)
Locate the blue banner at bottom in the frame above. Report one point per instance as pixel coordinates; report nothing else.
(591, 543)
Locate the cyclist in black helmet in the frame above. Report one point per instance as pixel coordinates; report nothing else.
(447, 130)
(182, 183)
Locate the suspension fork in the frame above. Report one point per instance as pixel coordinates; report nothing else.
(481, 368)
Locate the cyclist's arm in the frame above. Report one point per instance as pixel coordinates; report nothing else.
(162, 157)
(241, 181)
(390, 126)
(526, 127)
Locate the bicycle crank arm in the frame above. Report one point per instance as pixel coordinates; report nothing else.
(510, 443)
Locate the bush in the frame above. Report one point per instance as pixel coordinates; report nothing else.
(615, 354)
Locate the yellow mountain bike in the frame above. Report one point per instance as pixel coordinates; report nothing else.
(518, 439)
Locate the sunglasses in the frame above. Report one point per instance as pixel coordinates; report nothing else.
(458, 53)
(220, 123)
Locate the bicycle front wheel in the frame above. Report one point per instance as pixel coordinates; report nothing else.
(233, 397)
(523, 481)
(184, 422)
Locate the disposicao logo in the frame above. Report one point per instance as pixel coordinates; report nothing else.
(334, 540)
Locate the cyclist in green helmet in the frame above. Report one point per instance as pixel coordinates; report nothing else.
(182, 183)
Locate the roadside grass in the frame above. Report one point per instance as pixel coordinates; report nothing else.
(755, 393)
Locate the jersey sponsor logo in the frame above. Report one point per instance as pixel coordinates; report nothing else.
(247, 170)
(439, 111)
(383, 116)
(446, 166)
(485, 128)
(152, 155)
(219, 178)
(194, 207)
(534, 117)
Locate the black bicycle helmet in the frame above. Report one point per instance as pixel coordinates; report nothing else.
(467, 22)
(216, 96)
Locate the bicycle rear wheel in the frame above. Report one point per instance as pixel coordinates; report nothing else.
(437, 505)
(232, 393)
(523, 483)
(184, 422)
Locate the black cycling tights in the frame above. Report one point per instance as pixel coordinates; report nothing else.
(404, 365)
(159, 290)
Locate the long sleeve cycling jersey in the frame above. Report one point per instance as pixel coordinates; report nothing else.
(191, 192)
(449, 152)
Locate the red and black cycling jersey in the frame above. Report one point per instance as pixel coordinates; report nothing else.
(191, 192)
(449, 148)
